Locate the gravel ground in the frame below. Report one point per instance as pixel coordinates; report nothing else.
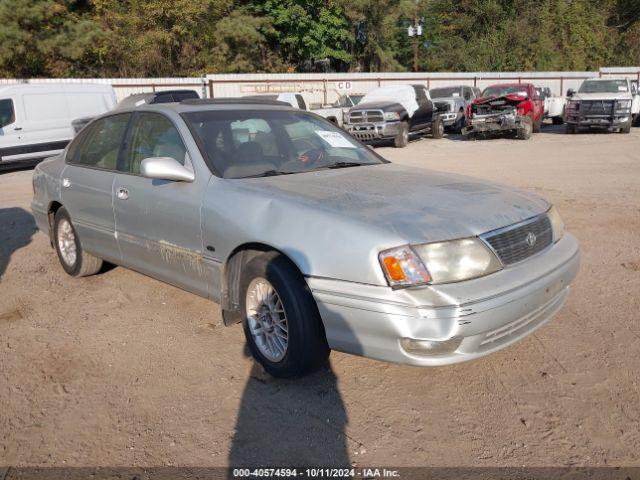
(119, 369)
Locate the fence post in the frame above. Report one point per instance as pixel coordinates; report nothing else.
(561, 85)
(324, 85)
(153, 87)
(475, 81)
(210, 88)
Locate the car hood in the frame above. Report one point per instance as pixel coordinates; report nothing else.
(377, 104)
(601, 96)
(415, 205)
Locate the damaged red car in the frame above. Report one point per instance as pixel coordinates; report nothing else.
(510, 108)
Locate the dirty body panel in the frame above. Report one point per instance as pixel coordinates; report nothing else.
(495, 114)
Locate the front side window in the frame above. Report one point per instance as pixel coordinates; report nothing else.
(153, 135)
(7, 112)
(100, 145)
(445, 92)
(245, 143)
(301, 104)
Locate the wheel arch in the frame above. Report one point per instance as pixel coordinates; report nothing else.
(231, 272)
(52, 209)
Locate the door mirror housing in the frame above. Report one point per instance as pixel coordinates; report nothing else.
(166, 168)
(634, 88)
(570, 92)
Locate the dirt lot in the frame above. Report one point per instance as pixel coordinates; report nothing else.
(119, 369)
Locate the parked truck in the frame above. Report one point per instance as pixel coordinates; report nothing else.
(611, 103)
(509, 108)
(451, 103)
(394, 113)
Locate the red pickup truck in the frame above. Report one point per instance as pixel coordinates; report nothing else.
(508, 107)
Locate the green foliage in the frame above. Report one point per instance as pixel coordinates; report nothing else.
(181, 37)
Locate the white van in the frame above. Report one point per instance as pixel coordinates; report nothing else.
(35, 119)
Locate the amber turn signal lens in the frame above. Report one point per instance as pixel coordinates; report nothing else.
(394, 269)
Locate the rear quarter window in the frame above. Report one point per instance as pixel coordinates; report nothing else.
(7, 112)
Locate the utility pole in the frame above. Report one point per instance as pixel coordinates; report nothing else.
(415, 31)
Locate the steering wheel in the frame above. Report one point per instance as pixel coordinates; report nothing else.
(311, 153)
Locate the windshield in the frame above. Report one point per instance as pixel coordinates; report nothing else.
(445, 92)
(499, 91)
(246, 143)
(603, 86)
(348, 100)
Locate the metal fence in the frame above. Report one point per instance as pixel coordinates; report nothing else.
(326, 88)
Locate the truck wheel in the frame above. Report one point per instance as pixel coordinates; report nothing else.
(401, 140)
(636, 120)
(525, 129)
(537, 125)
(571, 129)
(74, 260)
(437, 128)
(459, 125)
(557, 120)
(281, 321)
(626, 128)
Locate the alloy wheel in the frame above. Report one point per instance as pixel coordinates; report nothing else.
(67, 242)
(267, 319)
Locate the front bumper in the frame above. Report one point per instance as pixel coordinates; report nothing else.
(495, 122)
(449, 118)
(458, 321)
(373, 131)
(610, 121)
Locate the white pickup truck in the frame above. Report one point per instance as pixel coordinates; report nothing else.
(554, 106)
(611, 103)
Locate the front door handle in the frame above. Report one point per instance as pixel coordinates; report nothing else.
(122, 193)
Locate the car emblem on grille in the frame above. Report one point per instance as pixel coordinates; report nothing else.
(531, 239)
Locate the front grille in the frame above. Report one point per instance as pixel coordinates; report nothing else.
(518, 242)
(596, 107)
(442, 106)
(366, 116)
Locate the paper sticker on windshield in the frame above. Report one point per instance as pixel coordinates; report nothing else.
(140, 102)
(622, 88)
(335, 139)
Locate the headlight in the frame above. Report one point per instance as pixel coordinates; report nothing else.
(441, 262)
(557, 225)
(623, 104)
(391, 116)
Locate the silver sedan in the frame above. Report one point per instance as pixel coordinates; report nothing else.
(305, 236)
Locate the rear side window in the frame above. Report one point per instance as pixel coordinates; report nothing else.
(154, 135)
(100, 146)
(7, 112)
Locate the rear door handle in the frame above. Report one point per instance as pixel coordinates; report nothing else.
(122, 193)
(18, 128)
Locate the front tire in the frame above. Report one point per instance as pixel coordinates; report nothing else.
(74, 260)
(437, 128)
(525, 129)
(626, 128)
(281, 321)
(401, 139)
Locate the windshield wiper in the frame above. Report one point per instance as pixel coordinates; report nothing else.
(269, 173)
(344, 165)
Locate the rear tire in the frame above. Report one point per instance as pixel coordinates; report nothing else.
(283, 328)
(525, 129)
(74, 260)
(437, 128)
(401, 140)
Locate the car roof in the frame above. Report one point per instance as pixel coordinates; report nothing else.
(213, 104)
(512, 84)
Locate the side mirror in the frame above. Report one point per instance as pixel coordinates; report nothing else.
(570, 92)
(634, 88)
(166, 168)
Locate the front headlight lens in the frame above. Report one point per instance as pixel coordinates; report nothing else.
(441, 262)
(623, 104)
(557, 225)
(457, 260)
(391, 116)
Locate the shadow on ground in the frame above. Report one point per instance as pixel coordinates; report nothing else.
(17, 226)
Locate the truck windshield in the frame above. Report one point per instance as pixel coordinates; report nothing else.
(604, 86)
(498, 90)
(445, 92)
(258, 143)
